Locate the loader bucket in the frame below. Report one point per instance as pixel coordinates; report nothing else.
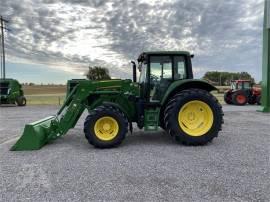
(36, 135)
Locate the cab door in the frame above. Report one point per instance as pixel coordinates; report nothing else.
(160, 76)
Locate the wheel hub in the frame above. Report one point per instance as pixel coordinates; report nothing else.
(106, 128)
(241, 99)
(191, 116)
(195, 118)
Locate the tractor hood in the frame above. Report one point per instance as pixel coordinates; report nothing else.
(105, 85)
(115, 84)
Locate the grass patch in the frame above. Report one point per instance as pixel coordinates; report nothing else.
(57, 99)
(220, 97)
(44, 89)
(45, 94)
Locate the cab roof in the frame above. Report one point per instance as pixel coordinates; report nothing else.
(167, 53)
(240, 80)
(143, 55)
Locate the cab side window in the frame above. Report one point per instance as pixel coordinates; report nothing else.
(180, 68)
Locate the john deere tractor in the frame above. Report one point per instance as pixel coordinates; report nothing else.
(165, 96)
(11, 92)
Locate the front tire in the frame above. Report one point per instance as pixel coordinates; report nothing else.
(228, 98)
(105, 127)
(193, 117)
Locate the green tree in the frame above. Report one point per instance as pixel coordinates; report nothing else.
(98, 73)
(224, 78)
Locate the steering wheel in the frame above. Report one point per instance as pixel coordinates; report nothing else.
(153, 80)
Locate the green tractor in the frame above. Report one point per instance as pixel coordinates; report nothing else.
(165, 96)
(11, 92)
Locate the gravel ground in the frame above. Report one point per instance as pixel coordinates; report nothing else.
(146, 167)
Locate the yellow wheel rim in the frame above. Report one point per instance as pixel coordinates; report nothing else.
(106, 128)
(195, 118)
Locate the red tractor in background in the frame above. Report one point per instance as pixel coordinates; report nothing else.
(242, 92)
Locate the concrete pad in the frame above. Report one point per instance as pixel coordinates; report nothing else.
(146, 167)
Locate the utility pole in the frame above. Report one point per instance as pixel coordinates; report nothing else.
(2, 21)
(266, 60)
(1, 64)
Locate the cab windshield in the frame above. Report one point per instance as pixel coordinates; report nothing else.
(233, 85)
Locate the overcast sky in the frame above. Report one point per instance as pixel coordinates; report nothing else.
(54, 40)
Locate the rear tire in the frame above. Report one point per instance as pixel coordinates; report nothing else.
(105, 127)
(252, 101)
(239, 99)
(206, 129)
(21, 101)
(258, 100)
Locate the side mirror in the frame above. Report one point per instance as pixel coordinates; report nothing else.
(134, 71)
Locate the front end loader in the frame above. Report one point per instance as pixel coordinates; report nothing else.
(165, 96)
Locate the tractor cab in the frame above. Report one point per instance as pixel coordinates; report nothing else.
(240, 84)
(158, 70)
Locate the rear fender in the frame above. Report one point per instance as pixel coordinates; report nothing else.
(181, 85)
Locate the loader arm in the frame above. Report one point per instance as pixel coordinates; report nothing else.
(39, 133)
(73, 107)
